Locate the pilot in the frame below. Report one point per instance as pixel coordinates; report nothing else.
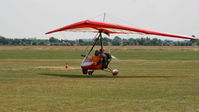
(97, 57)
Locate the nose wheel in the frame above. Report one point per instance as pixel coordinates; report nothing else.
(87, 71)
(90, 71)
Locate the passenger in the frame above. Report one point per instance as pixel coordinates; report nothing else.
(107, 61)
(106, 58)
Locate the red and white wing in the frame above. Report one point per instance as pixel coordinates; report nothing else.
(96, 26)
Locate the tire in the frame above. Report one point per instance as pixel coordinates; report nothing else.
(84, 71)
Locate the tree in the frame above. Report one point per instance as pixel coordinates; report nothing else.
(106, 41)
(125, 42)
(3, 41)
(116, 41)
(53, 40)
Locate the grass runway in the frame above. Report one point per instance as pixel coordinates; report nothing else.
(151, 79)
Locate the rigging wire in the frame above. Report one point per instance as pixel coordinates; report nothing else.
(97, 16)
(93, 40)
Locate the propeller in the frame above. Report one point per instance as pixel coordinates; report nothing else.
(113, 57)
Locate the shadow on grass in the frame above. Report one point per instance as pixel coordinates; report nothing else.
(101, 76)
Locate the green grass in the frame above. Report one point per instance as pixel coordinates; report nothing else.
(149, 81)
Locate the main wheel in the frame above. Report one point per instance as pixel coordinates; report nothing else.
(115, 72)
(84, 71)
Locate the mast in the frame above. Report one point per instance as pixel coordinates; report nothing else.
(104, 17)
(101, 43)
(100, 33)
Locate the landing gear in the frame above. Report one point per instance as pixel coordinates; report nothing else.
(87, 71)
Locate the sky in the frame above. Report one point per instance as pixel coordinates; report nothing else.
(33, 18)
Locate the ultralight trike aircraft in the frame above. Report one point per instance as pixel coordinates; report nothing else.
(88, 65)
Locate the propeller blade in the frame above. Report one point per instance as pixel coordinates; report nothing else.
(115, 58)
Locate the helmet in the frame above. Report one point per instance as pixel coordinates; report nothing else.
(97, 52)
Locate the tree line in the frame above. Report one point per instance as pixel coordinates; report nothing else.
(116, 41)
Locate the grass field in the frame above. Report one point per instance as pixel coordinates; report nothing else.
(151, 79)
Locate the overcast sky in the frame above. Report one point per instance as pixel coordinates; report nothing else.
(32, 18)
